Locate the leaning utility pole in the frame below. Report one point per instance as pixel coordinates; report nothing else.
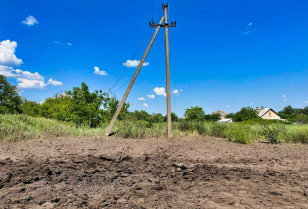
(158, 26)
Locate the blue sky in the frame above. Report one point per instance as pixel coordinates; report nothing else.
(224, 54)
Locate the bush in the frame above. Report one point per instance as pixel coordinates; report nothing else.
(240, 133)
(271, 133)
(218, 130)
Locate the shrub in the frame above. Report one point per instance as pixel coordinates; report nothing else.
(240, 133)
(271, 133)
(218, 129)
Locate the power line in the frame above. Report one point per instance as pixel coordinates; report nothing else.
(177, 10)
(133, 56)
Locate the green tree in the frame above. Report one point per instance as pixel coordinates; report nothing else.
(214, 117)
(157, 118)
(174, 117)
(246, 113)
(288, 110)
(194, 113)
(10, 101)
(85, 106)
(111, 105)
(230, 115)
(31, 108)
(57, 107)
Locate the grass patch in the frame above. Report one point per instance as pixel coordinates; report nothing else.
(16, 127)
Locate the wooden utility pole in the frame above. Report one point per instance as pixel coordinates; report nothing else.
(116, 114)
(158, 26)
(169, 125)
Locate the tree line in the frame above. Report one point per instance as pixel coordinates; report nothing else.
(82, 107)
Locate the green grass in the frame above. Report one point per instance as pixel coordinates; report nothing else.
(17, 127)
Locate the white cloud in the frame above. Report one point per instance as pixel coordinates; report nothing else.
(284, 100)
(10, 72)
(30, 21)
(250, 103)
(141, 99)
(99, 72)
(284, 96)
(30, 84)
(160, 91)
(145, 105)
(151, 96)
(306, 102)
(228, 106)
(54, 82)
(176, 92)
(25, 79)
(7, 53)
(134, 63)
(69, 44)
(248, 29)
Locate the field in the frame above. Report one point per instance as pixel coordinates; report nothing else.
(49, 164)
(191, 172)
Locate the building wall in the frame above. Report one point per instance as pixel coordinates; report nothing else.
(270, 115)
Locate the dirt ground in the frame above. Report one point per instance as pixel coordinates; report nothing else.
(152, 173)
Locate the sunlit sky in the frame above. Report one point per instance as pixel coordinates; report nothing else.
(224, 54)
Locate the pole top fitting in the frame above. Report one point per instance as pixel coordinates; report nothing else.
(164, 5)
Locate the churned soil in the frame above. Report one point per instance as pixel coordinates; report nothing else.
(152, 173)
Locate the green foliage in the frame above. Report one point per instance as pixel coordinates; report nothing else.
(246, 113)
(111, 105)
(31, 108)
(10, 101)
(194, 114)
(271, 133)
(261, 121)
(79, 106)
(230, 115)
(214, 117)
(17, 127)
(243, 134)
(295, 114)
(218, 130)
(84, 106)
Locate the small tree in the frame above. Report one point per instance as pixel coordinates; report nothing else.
(246, 113)
(10, 101)
(111, 105)
(194, 114)
(31, 108)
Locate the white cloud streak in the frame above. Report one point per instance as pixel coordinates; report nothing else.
(31, 84)
(151, 96)
(10, 72)
(7, 53)
(141, 99)
(30, 21)
(134, 63)
(99, 72)
(54, 82)
(145, 105)
(248, 29)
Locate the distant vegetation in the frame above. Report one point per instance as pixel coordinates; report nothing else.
(79, 112)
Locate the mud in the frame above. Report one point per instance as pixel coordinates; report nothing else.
(152, 173)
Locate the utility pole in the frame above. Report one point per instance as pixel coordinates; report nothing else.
(158, 26)
(169, 125)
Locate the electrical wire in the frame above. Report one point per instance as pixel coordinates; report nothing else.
(177, 10)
